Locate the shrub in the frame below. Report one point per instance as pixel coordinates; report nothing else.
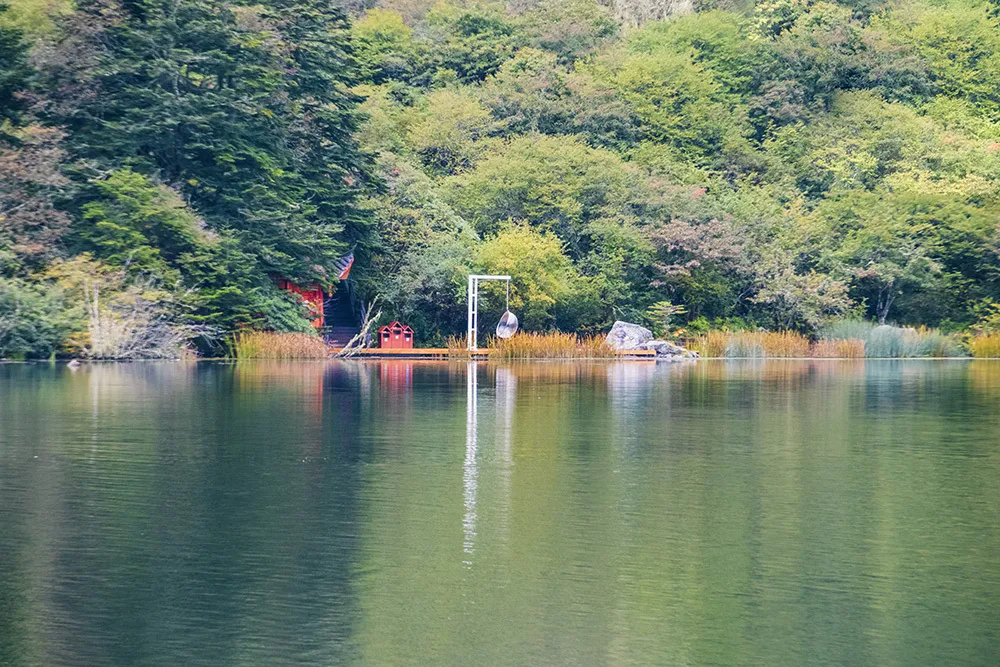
(744, 345)
(895, 343)
(985, 346)
(887, 342)
(269, 345)
(34, 322)
(847, 330)
(138, 322)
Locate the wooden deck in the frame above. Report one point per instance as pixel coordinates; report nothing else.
(442, 353)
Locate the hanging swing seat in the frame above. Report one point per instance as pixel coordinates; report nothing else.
(507, 326)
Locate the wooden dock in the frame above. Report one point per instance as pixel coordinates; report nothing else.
(443, 353)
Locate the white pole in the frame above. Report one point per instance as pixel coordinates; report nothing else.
(472, 330)
(468, 324)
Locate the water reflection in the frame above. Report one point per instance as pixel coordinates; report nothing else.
(469, 470)
(400, 513)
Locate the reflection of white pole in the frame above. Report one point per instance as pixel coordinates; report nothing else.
(472, 329)
(506, 394)
(469, 473)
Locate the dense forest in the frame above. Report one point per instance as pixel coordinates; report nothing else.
(779, 164)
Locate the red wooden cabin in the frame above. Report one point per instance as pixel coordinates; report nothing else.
(395, 336)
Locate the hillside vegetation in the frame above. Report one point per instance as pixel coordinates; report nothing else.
(778, 164)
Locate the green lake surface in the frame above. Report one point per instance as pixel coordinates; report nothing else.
(434, 513)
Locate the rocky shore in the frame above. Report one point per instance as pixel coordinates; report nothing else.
(628, 336)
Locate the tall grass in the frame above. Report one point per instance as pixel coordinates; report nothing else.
(553, 345)
(847, 330)
(713, 344)
(753, 344)
(458, 347)
(895, 342)
(848, 348)
(843, 340)
(985, 346)
(270, 345)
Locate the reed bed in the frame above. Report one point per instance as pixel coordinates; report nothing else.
(458, 347)
(270, 345)
(842, 340)
(713, 344)
(895, 342)
(753, 345)
(553, 345)
(849, 348)
(985, 346)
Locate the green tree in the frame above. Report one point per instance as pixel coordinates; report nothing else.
(542, 276)
(246, 109)
(14, 69)
(552, 183)
(34, 320)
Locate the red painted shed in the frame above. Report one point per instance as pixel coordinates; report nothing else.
(395, 336)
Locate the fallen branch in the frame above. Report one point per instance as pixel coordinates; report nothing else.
(360, 340)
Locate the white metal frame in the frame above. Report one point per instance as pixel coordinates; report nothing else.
(473, 323)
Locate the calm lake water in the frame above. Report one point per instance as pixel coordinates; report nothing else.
(424, 513)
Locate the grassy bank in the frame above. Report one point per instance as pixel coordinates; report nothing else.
(553, 345)
(842, 340)
(268, 345)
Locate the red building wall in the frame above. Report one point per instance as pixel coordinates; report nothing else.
(313, 295)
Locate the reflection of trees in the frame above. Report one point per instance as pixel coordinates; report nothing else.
(199, 514)
(718, 512)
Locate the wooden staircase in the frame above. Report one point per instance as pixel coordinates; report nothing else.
(341, 321)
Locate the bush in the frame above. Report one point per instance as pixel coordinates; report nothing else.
(985, 346)
(34, 322)
(847, 330)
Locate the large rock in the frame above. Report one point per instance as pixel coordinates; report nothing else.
(625, 336)
(668, 351)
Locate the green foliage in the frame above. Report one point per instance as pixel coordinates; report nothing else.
(445, 133)
(542, 276)
(988, 321)
(13, 68)
(137, 223)
(661, 315)
(35, 17)
(34, 320)
(570, 29)
(902, 243)
(246, 109)
(553, 183)
(960, 43)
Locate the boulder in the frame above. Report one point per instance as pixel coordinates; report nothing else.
(625, 336)
(668, 351)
